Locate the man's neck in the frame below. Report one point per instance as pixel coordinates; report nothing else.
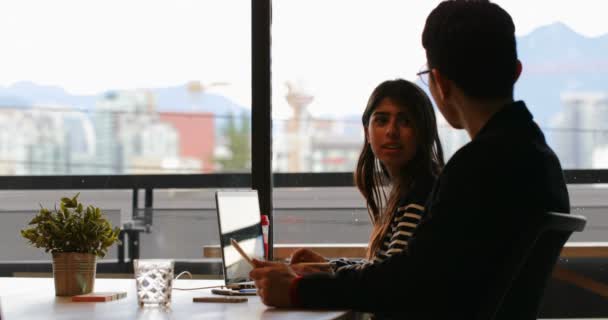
(475, 113)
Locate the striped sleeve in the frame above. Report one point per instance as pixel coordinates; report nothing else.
(404, 222)
(343, 263)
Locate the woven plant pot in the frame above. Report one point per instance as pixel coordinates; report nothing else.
(74, 273)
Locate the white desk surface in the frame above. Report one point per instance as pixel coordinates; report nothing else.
(34, 298)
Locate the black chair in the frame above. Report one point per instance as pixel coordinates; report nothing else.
(518, 290)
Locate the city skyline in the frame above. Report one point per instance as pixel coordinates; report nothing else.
(548, 70)
(154, 129)
(210, 41)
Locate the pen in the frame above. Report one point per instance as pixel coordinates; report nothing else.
(238, 248)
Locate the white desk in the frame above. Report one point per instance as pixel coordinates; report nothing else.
(34, 298)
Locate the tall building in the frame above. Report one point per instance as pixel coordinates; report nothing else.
(106, 120)
(32, 142)
(580, 132)
(15, 138)
(196, 136)
(79, 143)
(131, 138)
(307, 144)
(47, 152)
(297, 143)
(146, 143)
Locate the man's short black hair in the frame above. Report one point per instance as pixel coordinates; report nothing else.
(472, 42)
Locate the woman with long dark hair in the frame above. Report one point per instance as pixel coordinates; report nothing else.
(399, 162)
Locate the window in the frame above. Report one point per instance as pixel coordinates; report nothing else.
(324, 71)
(125, 88)
(143, 88)
(109, 92)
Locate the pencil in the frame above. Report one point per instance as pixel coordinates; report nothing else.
(238, 248)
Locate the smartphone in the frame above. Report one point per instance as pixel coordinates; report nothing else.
(238, 286)
(238, 248)
(219, 299)
(228, 292)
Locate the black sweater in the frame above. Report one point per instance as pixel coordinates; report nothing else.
(482, 198)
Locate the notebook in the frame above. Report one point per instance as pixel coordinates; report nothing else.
(238, 216)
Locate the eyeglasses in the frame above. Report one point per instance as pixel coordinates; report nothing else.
(424, 73)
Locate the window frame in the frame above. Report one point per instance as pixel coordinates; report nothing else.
(261, 178)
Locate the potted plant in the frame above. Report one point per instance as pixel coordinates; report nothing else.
(75, 236)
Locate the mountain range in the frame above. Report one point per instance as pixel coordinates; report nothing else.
(555, 58)
(169, 99)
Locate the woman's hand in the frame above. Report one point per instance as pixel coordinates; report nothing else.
(305, 268)
(306, 255)
(303, 262)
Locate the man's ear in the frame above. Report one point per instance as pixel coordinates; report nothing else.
(518, 70)
(442, 84)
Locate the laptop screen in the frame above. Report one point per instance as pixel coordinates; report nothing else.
(238, 214)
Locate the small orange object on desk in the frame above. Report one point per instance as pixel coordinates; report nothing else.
(99, 296)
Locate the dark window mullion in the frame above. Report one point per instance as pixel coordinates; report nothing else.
(261, 111)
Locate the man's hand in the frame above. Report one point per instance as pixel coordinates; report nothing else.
(273, 281)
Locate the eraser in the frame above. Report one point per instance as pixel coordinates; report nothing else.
(99, 296)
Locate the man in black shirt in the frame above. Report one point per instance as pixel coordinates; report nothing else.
(487, 192)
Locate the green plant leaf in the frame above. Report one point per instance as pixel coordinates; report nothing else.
(71, 228)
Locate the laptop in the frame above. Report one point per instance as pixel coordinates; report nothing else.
(238, 216)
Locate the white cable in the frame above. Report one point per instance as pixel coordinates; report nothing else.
(190, 275)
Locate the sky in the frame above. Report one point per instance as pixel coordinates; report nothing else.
(334, 50)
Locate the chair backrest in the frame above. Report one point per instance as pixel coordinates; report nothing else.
(518, 290)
